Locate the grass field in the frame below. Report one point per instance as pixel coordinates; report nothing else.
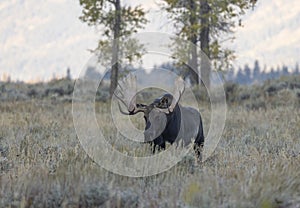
(256, 163)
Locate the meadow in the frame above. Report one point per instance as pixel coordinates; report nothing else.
(256, 163)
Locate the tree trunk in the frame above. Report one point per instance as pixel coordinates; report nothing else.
(205, 66)
(115, 48)
(193, 60)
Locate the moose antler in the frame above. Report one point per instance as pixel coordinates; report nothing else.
(178, 91)
(126, 93)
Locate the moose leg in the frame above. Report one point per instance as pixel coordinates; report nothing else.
(162, 146)
(199, 141)
(198, 146)
(159, 141)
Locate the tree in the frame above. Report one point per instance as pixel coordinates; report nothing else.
(205, 22)
(118, 22)
(272, 74)
(256, 71)
(230, 75)
(284, 71)
(296, 71)
(68, 76)
(204, 39)
(247, 74)
(240, 77)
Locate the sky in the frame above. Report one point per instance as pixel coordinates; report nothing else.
(40, 40)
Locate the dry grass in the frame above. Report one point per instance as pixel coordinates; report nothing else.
(42, 163)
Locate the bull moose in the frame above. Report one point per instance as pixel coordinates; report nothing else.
(166, 120)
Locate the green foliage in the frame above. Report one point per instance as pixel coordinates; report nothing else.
(102, 14)
(271, 94)
(118, 23)
(221, 18)
(130, 50)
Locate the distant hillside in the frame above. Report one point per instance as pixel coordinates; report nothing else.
(271, 93)
(257, 75)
